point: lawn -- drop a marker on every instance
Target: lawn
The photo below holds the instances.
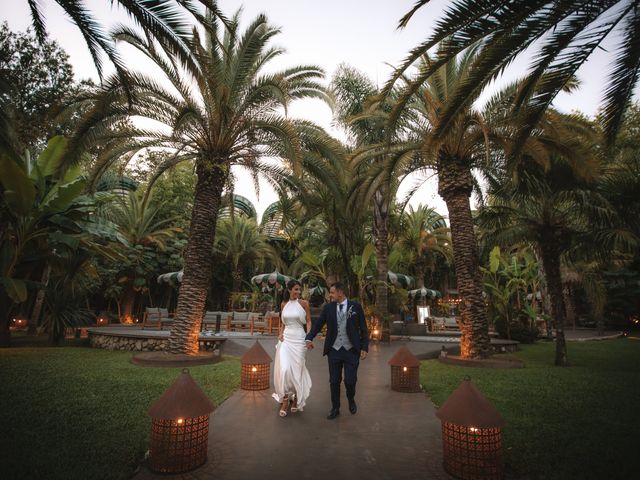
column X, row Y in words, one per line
column 562, row 423
column 77, row 412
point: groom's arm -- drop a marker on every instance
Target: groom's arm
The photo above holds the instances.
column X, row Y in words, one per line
column 317, row 325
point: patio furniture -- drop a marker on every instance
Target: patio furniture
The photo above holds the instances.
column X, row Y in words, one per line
column 156, row 317
column 239, row 321
column 259, row 323
column 210, row 318
column 273, row 319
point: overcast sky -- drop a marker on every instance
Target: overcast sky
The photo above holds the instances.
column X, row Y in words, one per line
column 361, row 33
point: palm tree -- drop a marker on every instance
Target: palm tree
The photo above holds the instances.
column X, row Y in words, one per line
column 329, row 177
column 424, row 237
column 453, row 156
column 225, row 111
column 550, row 204
column 559, row 36
column 138, row 224
column 165, row 20
column 239, row 242
column 352, row 90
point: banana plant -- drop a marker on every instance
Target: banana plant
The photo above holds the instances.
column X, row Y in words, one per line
column 43, row 213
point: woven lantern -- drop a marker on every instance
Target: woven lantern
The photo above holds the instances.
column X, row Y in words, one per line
column 405, row 371
column 255, row 368
column 376, row 333
column 20, row 323
column 180, row 427
column 471, row 435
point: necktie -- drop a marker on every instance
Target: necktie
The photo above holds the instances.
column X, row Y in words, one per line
column 340, row 306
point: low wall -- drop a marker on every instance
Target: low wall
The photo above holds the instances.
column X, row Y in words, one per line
column 133, row 344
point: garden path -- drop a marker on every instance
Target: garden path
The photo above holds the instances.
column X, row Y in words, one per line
column 393, row 436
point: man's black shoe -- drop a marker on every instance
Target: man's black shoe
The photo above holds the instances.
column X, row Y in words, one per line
column 353, row 408
column 333, row 413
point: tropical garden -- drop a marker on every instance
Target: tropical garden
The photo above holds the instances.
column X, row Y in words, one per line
column 107, row 186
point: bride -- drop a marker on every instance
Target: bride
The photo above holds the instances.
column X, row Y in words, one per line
column 291, row 378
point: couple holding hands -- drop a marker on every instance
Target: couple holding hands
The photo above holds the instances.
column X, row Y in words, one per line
column 346, row 343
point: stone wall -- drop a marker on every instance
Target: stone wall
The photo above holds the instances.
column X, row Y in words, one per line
column 114, row 342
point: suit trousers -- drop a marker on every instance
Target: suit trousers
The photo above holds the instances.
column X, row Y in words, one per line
column 339, row 360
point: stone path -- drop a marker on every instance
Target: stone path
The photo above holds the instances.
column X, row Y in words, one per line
column 393, row 435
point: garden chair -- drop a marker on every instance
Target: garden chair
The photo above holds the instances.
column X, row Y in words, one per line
column 210, row 318
column 156, row 317
column 238, row 321
column 259, row 323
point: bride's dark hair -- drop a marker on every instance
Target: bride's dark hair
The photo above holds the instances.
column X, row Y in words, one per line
column 290, row 284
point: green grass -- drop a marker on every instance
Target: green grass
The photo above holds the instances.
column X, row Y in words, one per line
column 582, row 421
column 75, row 412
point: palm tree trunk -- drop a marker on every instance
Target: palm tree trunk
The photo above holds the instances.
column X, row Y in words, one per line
column 551, row 262
column 455, row 186
column 192, row 296
column 5, row 316
column 126, row 303
column 37, row 307
column 381, row 233
column 419, row 275
column 568, row 295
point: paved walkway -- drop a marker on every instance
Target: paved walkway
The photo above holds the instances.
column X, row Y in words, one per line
column 393, row 435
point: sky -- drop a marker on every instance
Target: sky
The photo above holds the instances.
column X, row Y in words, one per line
column 361, row 33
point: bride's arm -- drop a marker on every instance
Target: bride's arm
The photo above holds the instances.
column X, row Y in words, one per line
column 305, row 304
column 280, row 324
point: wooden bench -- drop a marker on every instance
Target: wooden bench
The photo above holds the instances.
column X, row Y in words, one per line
column 156, row 317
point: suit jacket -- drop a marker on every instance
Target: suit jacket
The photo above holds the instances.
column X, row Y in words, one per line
column 356, row 326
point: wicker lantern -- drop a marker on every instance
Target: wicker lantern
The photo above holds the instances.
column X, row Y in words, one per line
column 405, row 371
column 376, row 333
column 471, row 435
column 20, row 323
column 256, row 370
column 180, row 427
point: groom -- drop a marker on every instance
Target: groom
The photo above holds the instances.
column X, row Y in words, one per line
column 346, row 343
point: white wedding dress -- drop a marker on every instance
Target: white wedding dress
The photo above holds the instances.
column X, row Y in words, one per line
column 290, row 374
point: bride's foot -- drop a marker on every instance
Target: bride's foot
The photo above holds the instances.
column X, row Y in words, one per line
column 284, row 406
column 294, row 405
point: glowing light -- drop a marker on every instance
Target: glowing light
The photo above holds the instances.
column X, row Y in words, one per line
column 254, row 369
column 375, row 332
column 404, row 369
column 180, row 421
column 473, row 429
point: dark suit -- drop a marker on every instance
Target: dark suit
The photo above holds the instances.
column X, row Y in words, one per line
column 348, row 360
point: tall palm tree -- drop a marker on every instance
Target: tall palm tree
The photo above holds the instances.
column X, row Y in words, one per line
column 550, row 204
column 559, row 36
column 352, row 90
column 329, row 177
column 453, row 156
column 226, row 111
